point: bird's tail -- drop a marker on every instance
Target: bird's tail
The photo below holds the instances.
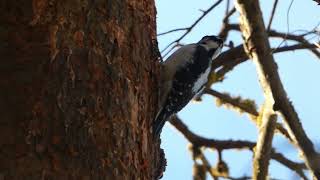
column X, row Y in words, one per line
column 159, row 121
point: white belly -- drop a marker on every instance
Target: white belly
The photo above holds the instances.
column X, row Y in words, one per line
column 203, row 78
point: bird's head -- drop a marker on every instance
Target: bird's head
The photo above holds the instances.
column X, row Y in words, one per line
column 213, row 44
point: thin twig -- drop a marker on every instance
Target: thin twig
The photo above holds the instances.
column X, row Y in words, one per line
column 285, row 36
column 207, row 165
column 288, row 17
column 227, row 8
column 297, row 167
column 172, row 48
column 189, row 29
column 297, row 38
column 173, row 30
column 199, row 19
column 229, row 100
column 295, row 47
column 224, row 30
column 272, row 14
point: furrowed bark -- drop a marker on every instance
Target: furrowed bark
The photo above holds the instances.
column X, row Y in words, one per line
column 78, row 90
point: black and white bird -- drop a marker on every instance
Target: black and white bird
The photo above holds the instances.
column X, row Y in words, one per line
column 184, row 74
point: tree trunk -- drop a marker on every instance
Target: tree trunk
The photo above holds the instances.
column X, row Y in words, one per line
column 78, row 90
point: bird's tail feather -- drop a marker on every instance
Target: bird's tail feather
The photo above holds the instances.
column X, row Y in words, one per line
column 159, row 121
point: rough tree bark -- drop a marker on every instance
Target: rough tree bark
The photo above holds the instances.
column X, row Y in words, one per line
column 78, row 89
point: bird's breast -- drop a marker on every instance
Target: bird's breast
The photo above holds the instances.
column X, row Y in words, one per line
column 201, row 80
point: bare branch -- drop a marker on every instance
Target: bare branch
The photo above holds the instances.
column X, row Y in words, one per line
column 295, row 47
column 227, row 8
column 264, row 143
column 199, row 171
column 297, row 38
column 215, row 174
column 189, row 29
column 199, row 141
column 176, row 45
column 285, row 36
column 272, row 14
column 199, row 19
column 173, row 30
column 253, row 112
column 264, row 146
column 258, row 48
column 297, row 167
column 225, row 30
column 164, row 49
column 231, row 101
column 232, row 57
column 207, row 165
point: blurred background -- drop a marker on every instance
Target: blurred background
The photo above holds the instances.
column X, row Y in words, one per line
column 299, row 71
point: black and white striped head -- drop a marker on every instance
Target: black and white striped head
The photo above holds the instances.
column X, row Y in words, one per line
column 213, row 44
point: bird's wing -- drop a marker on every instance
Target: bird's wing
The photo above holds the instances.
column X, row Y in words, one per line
column 170, row 66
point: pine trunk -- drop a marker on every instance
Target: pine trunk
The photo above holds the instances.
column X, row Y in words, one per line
column 78, row 90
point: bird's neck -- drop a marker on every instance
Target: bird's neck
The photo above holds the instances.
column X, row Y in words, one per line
column 213, row 53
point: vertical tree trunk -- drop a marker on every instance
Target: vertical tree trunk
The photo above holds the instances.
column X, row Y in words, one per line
column 78, row 89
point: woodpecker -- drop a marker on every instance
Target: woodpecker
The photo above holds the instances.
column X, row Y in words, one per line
column 184, row 75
